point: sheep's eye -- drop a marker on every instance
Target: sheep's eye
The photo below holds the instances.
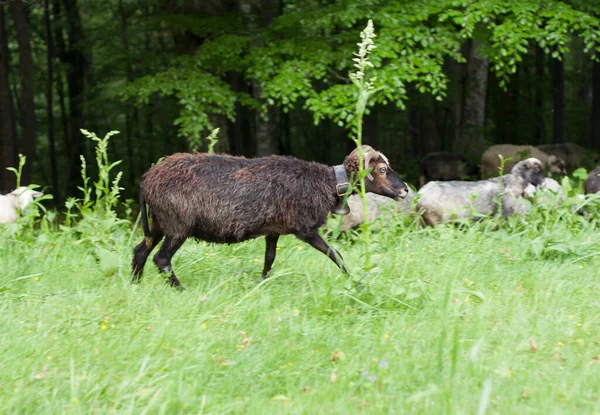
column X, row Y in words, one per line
column 383, row 170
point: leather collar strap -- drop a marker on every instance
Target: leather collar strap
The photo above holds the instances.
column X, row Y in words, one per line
column 342, row 187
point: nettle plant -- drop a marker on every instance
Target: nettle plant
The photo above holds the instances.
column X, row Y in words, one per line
column 96, row 216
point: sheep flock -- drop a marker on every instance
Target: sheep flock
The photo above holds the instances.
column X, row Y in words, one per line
column 227, row 199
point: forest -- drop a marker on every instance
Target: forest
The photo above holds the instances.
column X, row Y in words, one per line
column 272, row 75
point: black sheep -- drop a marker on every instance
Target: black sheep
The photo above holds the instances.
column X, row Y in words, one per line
column 226, row 199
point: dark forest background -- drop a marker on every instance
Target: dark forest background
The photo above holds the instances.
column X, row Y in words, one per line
column 273, row 76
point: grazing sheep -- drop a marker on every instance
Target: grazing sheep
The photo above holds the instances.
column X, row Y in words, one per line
column 573, row 154
column 547, row 185
column 376, row 206
column 490, row 162
column 444, row 201
column 444, row 166
column 17, row 199
column 226, row 199
column 592, row 183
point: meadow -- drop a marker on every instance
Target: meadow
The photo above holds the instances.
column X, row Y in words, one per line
column 496, row 317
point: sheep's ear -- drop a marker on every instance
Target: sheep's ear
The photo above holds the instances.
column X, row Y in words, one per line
column 368, row 156
column 36, row 194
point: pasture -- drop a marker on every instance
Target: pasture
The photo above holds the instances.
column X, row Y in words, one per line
column 495, row 317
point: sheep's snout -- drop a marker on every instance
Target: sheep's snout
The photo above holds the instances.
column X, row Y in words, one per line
column 400, row 188
column 402, row 193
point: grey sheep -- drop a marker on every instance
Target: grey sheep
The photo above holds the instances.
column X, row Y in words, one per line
column 548, row 185
column 444, row 201
column 376, row 206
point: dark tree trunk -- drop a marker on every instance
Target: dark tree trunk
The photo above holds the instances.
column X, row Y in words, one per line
column 371, row 129
column 50, row 102
column 414, row 130
column 129, row 74
column 7, row 133
column 540, row 128
column 595, row 130
column 238, row 129
column 259, row 15
column 27, row 77
column 61, row 53
column 557, row 71
column 428, row 126
column 457, row 74
column 76, row 73
column 471, row 140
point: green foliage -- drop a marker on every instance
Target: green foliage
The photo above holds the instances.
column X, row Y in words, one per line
column 415, row 38
column 198, row 92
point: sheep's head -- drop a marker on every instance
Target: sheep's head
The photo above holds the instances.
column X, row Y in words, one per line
column 23, row 196
column 531, row 170
column 556, row 165
column 381, row 179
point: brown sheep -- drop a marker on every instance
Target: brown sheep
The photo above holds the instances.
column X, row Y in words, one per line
column 226, row 199
column 444, row 166
column 490, row 162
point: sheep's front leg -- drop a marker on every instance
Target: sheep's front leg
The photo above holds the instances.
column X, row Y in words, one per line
column 270, row 253
column 319, row 243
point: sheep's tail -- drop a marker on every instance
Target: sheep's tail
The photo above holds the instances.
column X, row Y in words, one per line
column 144, row 214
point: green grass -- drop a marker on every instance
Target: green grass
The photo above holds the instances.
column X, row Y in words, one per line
column 443, row 325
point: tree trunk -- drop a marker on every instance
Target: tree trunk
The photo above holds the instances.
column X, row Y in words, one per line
column 129, row 74
column 266, row 132
column 50, row 102
column 595, row 130
column 260, row 14
column 27, row 77
column 557, row 71
column 76, row 72
column 237, row 137
column 471, row 140
column 540, row 127
column 371, row 129
column 428, row 126
column 7, row 133
column 61, row 53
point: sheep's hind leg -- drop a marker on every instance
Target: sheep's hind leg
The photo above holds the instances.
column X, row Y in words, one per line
column 163, row 257
column 142, row 251
column 319, row 243
column 270, row 253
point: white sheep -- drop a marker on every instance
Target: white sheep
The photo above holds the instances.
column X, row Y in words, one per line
column 376, row 206
column 17, row 199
